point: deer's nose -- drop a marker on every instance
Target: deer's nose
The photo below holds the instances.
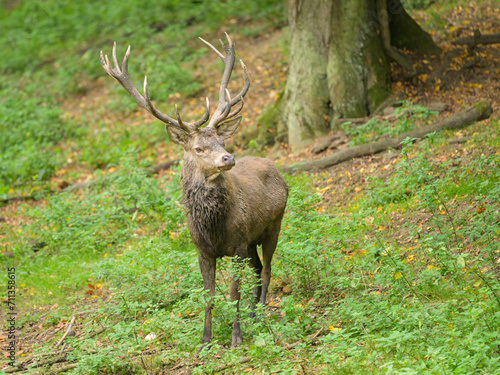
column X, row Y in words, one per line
column 228, row 160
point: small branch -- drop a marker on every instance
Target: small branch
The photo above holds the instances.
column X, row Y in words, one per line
column 70, row 327
column 458, row 140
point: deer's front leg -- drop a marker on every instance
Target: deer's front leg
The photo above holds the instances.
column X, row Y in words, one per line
column 207, row 268
column 236, row 337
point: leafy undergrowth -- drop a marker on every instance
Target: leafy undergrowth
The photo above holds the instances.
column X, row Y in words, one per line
column 404, row 119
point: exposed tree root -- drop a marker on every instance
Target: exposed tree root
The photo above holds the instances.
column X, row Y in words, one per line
column 478, row 111
column 477, row 38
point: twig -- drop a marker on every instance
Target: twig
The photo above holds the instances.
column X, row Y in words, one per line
column 22, row 367
column 70, row 327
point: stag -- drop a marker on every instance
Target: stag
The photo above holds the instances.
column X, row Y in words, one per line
column 231, row 207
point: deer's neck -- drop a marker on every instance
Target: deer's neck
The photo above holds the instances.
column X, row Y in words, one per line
column 206, row 206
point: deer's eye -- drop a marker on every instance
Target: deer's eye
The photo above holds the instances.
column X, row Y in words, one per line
column 199, row 150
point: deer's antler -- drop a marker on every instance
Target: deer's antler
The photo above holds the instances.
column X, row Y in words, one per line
column 225, row 102
column 123, row 78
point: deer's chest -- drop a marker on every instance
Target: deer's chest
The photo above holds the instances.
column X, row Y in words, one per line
column 207, row 210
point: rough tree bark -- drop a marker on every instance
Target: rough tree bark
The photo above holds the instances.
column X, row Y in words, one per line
column 339, row 61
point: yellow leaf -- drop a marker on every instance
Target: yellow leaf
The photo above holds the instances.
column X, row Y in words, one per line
column 334, row 329
column 430, row 267
column 397, row 275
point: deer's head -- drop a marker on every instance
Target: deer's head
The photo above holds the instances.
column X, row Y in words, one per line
column 203, row 146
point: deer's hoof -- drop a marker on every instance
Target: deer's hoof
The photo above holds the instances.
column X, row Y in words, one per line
column 202, row 346
column 236, row 341
column 237, row 337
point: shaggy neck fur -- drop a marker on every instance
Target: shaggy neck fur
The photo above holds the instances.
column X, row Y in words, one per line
column 206, row 206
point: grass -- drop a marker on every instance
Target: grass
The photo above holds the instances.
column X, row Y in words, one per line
column 400, row 278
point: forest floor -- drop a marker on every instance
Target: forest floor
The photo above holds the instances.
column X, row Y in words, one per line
column 426, row 216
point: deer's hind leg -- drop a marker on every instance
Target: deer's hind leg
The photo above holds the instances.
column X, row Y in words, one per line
column 256, row 264
column 269, row 242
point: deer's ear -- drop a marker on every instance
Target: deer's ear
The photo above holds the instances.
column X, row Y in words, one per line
column 177, row 135
column 227, row 128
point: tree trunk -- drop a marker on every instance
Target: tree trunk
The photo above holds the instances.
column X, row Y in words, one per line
column 358, row 70
column 306, row 95
column 338, row 63
column 406, row 33
column 337, row 66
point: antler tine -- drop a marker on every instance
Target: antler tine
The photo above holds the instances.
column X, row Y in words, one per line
column 115, row 61
column 245, row 88
column 205, row 117
column 178, row 116
column 228, row 104
column 215, row 49
column 221, row 114
column 236, row 111
column 125, row 61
